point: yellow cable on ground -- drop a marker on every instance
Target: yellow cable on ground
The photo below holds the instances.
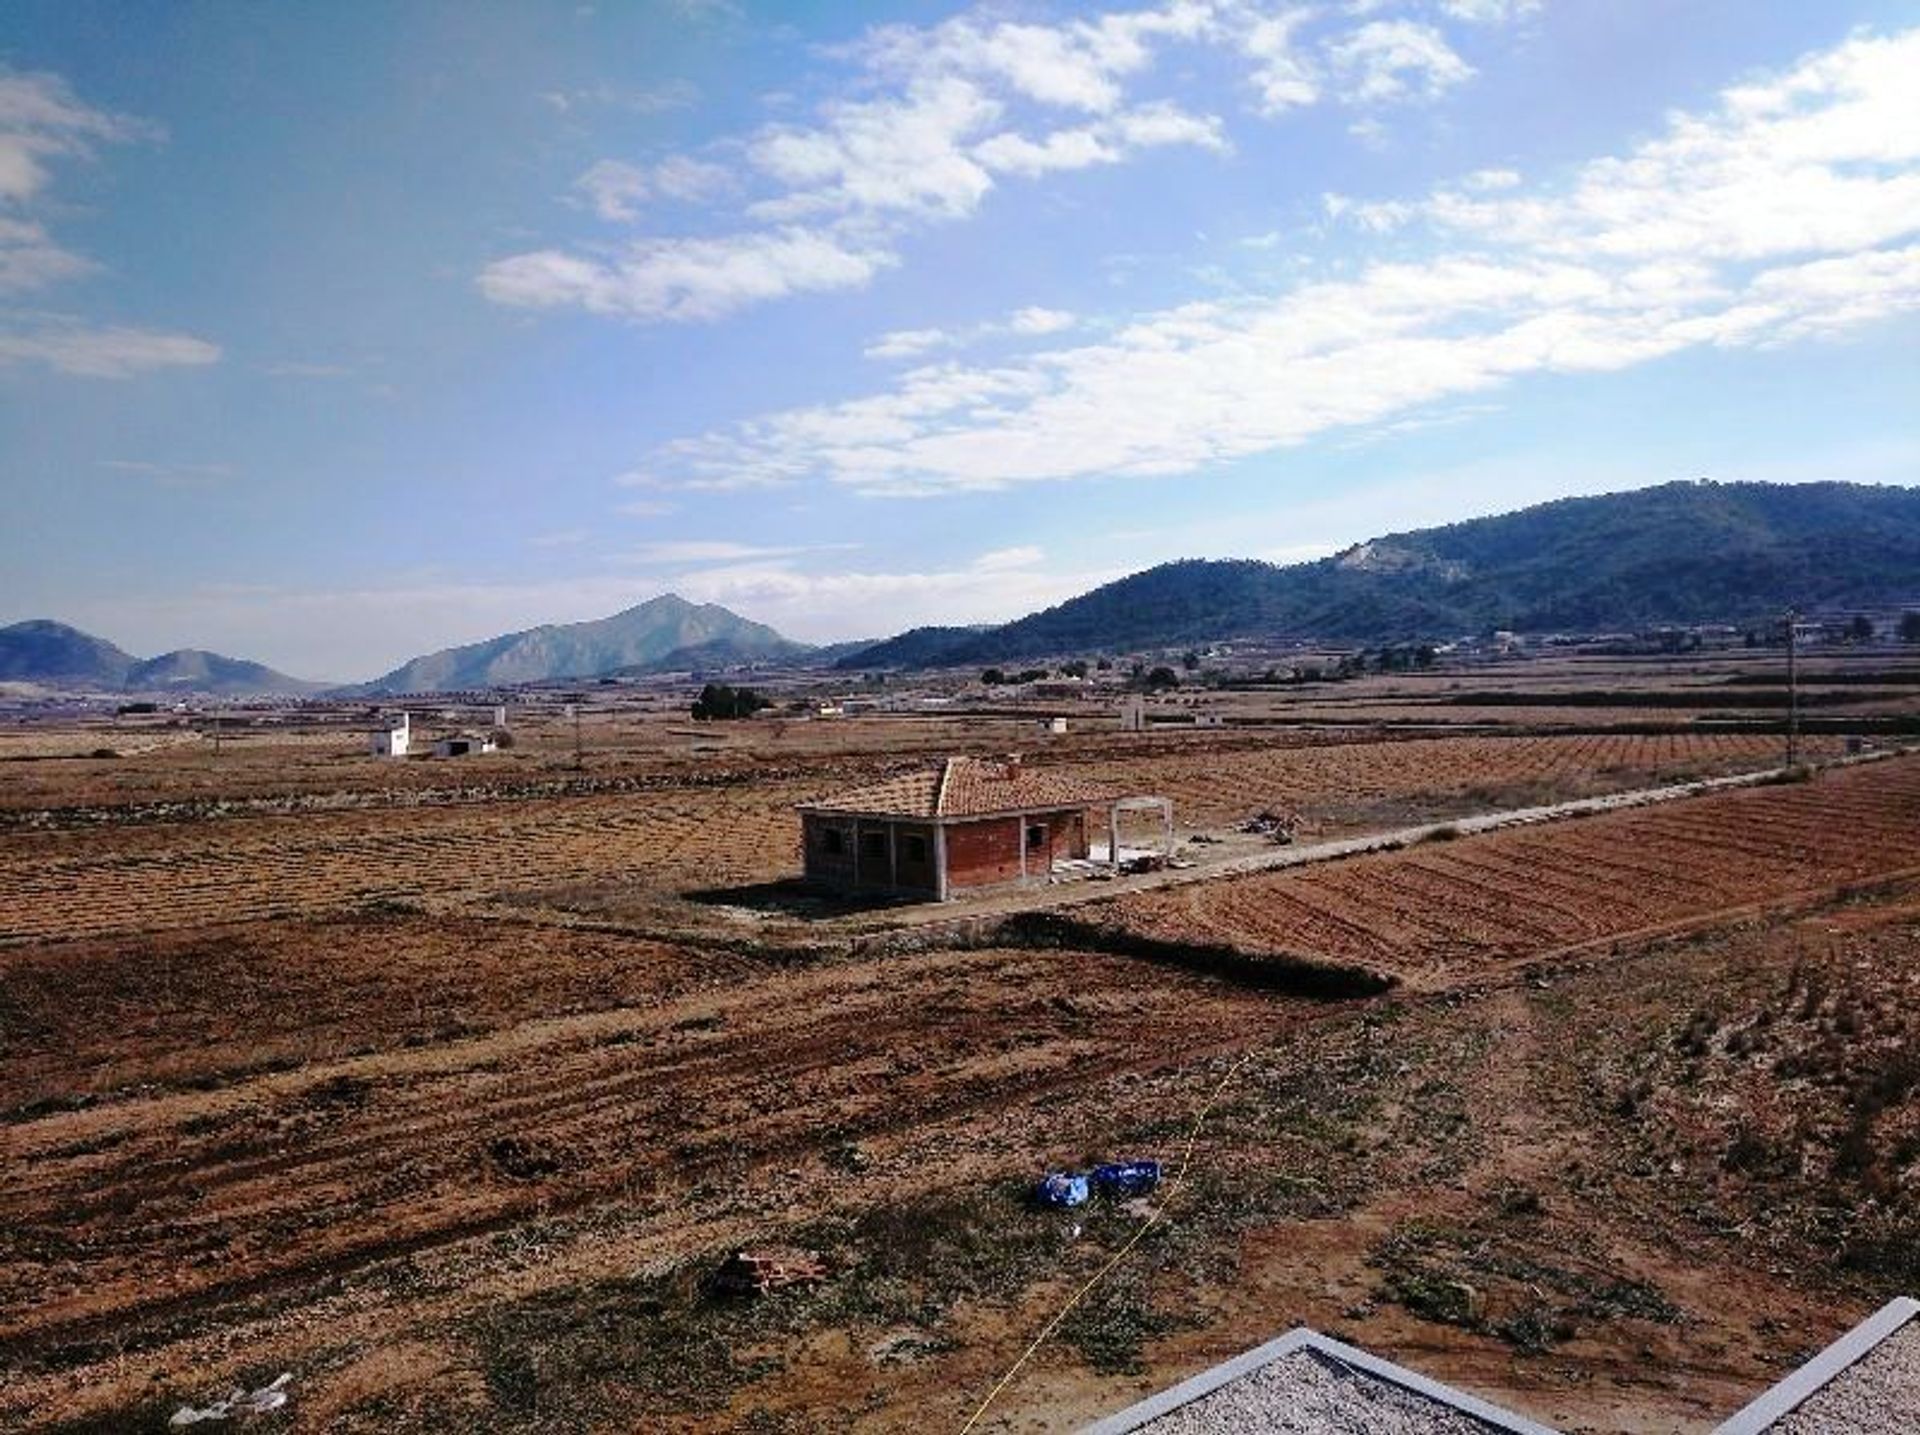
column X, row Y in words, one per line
column 1173, row 1190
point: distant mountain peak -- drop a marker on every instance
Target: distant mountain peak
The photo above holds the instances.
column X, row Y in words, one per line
column 635, row 639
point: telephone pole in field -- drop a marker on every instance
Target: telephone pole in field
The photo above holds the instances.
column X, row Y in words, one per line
column 1793, row 689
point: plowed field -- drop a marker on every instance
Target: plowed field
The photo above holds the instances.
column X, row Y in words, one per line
column 173, row 875
column 463, row 1174
column 1435, row 912
column 223, row 1180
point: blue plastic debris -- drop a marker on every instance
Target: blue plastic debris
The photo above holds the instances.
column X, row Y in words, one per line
column 1062, row 1188
column 1127, row 1178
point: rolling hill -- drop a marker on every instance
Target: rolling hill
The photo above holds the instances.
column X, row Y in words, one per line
column 43, row 651
column 56, row 655
column 199, row 671
column 631, row 641
column 1678, row 553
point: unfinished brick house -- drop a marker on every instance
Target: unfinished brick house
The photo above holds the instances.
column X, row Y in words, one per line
column 967, row 824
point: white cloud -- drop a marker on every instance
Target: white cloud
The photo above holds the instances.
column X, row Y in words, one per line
column 691, row 180
column 909, row 343
column 614, row 189
column 1490, row 179
column 1076, row 65
column 1395, row 60
column 1031, row 322
column 1000, row 560
column 1108, row 141
column 685, row 278
column 1036, row 320
column 1284, row 79
column 1489, row 12
column 108, row 353
column 673, row 95
column 40, row 118
column 1786, row 213
column 29, row 258
column 929, row 120
column 903, row 155
column 696, row 550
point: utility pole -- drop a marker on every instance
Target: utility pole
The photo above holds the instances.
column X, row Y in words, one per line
column 1793, row 690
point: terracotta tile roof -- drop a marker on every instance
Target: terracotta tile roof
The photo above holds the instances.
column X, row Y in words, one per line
column 967, row 787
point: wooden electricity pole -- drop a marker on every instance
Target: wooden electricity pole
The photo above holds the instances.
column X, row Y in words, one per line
column 1793, row 690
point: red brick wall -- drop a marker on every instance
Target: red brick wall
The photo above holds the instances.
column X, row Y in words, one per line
column 982, row 853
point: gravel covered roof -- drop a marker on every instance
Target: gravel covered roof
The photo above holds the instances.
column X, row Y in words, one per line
column 1877, row 1395
column 968, row 787
column 1306, row 1383
column 1307, row 1393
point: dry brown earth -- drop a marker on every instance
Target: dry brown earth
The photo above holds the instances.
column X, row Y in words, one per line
column 463, row 1174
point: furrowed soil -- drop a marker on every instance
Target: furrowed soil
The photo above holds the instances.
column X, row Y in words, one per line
column 73, row 872
column 1599, row 1154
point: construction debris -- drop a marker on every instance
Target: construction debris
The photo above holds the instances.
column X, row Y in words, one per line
column 263, row 1401
column 752, row 1273
column 1280, row 826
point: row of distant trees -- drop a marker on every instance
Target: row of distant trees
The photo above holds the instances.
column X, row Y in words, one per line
column 723, row 702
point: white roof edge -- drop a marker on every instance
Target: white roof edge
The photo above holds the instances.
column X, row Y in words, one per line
column 1306, row 1338
column 1778, row 1401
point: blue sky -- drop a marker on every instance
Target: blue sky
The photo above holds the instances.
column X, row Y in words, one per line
column 333, row 334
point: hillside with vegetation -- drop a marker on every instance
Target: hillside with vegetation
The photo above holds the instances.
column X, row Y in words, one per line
column 1678, row 553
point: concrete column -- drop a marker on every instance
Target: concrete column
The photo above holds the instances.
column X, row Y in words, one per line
column 1113, row 838
column 1023, row 847
column 940, row 861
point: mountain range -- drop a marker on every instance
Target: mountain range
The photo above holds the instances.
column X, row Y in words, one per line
column 1678, row 553
column 52, row 654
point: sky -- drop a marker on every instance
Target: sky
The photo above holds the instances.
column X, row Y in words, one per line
column 333, row 334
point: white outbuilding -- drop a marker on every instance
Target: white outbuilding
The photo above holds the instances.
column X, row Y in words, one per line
column 394, row 737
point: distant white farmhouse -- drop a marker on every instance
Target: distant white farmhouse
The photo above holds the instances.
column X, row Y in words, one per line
column 464, row 744
column 394, row 738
